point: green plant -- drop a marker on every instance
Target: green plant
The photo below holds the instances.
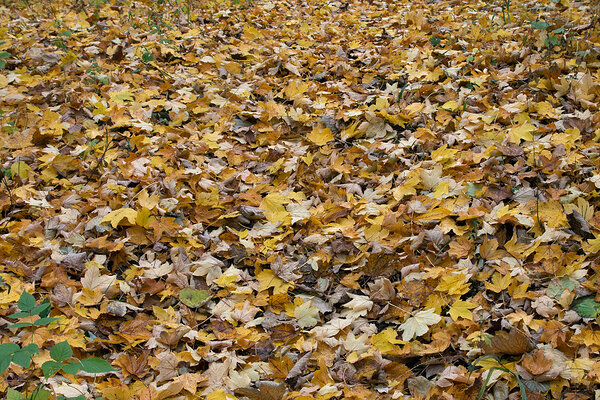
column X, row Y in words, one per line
column 473, row 366
column 552, row 37
column 95, row 76
column 3, row 56
column 506, row 12
column 61, row 354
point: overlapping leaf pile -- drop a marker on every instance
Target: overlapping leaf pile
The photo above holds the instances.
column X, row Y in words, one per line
column 286, row 199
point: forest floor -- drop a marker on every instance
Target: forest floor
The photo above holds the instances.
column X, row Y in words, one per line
column 299, row 199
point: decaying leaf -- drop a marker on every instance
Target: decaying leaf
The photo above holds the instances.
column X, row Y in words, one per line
column 276, row 200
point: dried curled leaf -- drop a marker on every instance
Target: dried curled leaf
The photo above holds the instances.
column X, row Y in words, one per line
column 515, row 342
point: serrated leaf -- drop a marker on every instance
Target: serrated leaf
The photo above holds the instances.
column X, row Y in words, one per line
column 586, row 307
column 22, row 358
column 95, row 365
column 49, row 368
column 26, row 302
column 307, row 315
column 44, row 321
column 45, row 310
column 193, row 298
column 116, row 216
column 462, row 309
column 72, row 367
column 61, row 351
column 4, row 363
column 541, row 25
column 8, row 348
column 40, row 308
column 31, row 348
column 419, row 324
column 568, row 283
column 320, row 135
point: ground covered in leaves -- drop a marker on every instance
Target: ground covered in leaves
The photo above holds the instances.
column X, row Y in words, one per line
column 304, row 200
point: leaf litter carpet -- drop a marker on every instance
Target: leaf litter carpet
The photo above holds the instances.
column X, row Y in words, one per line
column 305, row 200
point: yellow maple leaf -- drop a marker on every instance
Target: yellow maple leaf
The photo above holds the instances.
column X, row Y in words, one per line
column 21, row 169
column 148, row 201
column 275, row 211
column 441, row 190
column 220, row 395
column 386, row 341
column 444, row 154
column 592, row 245
column 116, row 216
column 294, row 89
column 552, row 213
column 320, row 135
column 450, row 106
column 545, row 109
column 499, row 282
column 267, row 278
column 521, row 132
column 144, row 218
column 251, row 33
column 462, row 309
column 306, row 314
column 453, row 284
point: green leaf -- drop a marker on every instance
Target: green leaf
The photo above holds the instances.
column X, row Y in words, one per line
column 61, row 351
column 12, row 394
column 46, row 311
column 19, row 315
column 31, row 349
column 587, row 307
column 22, row 358
column 95, row 365
column 4, row 54
column 435, row 41
column 147, row 57
column 4, row 363
column 49, row 368
column 541, row 25
column 193, row 298
column 37, row 310
column 26, row 302
column 568, row 283
column 472, row 188
column 72, row 367
column 19, row 325
column 45, row 321
column 555, row 290
column 8, row 348
column 551, row 41
column 40, row 394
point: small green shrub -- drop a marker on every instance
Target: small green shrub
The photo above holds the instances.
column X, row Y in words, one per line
column 61, row 353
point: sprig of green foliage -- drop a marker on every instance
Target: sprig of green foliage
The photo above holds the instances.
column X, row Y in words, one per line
column 61, row 353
